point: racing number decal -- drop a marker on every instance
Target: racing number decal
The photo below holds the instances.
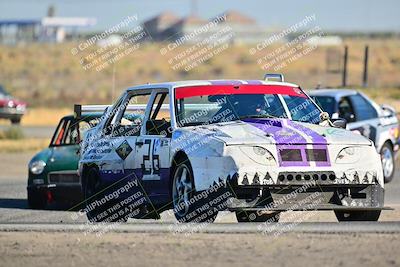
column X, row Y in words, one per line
column 150, row 165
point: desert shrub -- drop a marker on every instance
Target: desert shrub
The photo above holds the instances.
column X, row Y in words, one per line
column 12, row 133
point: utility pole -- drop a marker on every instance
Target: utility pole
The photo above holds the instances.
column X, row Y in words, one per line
column 193, row 8
column 365, row 73
column 344, row 75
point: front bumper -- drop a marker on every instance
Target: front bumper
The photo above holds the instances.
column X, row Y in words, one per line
column 11, row 112
column 247, row 176
column 306, row 197
column 65, row 196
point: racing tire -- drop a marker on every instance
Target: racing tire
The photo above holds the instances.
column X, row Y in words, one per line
column 257, row 216
column 93, row 191
column 36, row 201
column 388, row 162
column 348, row 216
column 186, row 206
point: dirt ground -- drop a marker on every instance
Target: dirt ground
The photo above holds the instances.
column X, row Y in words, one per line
column 168, row 249
column 131, row 249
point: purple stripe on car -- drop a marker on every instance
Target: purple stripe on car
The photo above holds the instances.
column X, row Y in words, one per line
column 318, row 141
column 284, row 137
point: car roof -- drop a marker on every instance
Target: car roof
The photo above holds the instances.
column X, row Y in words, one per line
column 171, row 85
column 335, row 93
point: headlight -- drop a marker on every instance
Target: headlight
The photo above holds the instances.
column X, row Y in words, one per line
column 37, row 167
column 10, row 104
column 259, row 155
column 348, row 155
column 259, row 150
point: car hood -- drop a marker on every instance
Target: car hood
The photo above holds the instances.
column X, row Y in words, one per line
column 282, row 131
column 59, row 158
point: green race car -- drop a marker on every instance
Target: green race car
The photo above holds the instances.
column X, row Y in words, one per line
column 53, row 181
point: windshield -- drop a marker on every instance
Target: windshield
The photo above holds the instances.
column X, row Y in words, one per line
column 327, row 103
column 213, row 104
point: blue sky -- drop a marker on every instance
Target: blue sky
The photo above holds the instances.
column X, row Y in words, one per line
column 338, row 15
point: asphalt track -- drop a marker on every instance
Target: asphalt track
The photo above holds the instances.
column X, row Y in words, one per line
column 15, row 215
column 222, row 228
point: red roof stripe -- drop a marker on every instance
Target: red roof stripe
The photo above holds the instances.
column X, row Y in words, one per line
column 203, row 90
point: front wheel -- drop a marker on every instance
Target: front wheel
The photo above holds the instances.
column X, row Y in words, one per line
column 36, row 201
column 348, row 216
column 388, row 162
column 16, row 120
column 188, row 205
column 97, row 208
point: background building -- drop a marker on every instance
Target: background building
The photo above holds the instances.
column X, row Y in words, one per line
column 169, row 27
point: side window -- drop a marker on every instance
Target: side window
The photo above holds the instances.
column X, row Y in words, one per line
column 160, row 119
column 72, row 135
column 128, row 120
column 60, row 133
column 111, row 116
column 67, row 133
column 364, row 110
column 346, row 110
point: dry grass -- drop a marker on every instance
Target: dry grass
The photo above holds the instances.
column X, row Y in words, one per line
column 42, row 117
column 48, row 75
column 45, row 116
column 23, row 145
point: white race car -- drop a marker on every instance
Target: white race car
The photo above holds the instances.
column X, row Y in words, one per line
column 255, row 147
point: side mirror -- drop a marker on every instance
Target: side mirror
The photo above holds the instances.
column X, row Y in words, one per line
column 339, row 123
column 387, row 111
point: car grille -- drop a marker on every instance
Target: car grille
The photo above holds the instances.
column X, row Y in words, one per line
column 293, row 155
column 63, row 178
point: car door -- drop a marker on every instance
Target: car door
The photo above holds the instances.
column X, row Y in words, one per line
column 119, row 140
column 153, row 146
column 365, row 118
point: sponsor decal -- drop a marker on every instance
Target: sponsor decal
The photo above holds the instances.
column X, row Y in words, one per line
column 124, row 150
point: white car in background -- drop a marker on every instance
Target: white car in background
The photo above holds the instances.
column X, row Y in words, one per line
column 364, row 116
column 253, row 147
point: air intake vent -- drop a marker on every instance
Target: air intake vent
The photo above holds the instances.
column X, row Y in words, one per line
column 316, row 155
column 291, row 155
